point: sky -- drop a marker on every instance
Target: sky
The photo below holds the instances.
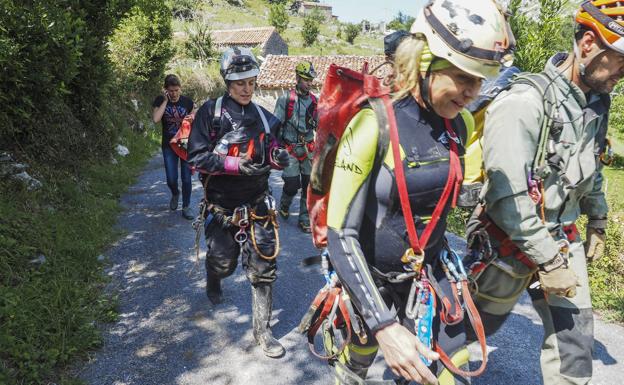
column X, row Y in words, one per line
column 373, row 10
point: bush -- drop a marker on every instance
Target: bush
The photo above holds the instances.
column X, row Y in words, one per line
column 141, row 46
column 183, row 9
column 200, row 83
column 311, row 29
column 56, row 79
column 351, row 32
column 538, row 38
column 401, row 21
column 278, row 17
column 199, row 41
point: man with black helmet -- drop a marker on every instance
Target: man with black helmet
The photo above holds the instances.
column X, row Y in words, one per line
column 232, row 144
column 297, row 111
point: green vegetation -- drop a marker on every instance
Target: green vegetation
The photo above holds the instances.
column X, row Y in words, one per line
column 351, row 32
column 607, row 274
column 49, row 312
column 539, row 38
column 402, row 22
column 278, row 17
column 65, row 105
column 310, row 29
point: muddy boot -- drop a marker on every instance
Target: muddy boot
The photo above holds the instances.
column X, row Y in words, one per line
column 213, row 288
column 261, row 305
column 284, row 206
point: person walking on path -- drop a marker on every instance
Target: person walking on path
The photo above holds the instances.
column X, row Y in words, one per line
column 171, row 108
column 543, row 164
column 392, row 284
column 296, row 109
column 233, row 146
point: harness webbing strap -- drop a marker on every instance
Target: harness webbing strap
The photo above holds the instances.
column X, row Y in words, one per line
column 329, row 300
column 453, row 183
column 477, row 325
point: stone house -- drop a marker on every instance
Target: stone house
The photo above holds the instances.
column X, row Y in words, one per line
column 307, row 7
column 265, row 38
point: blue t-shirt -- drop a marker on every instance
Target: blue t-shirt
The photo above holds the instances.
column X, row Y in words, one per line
column 173, row 115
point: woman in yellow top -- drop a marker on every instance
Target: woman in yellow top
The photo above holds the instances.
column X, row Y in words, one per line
column 453, row 46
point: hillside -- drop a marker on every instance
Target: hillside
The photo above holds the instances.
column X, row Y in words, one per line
column 221, row 15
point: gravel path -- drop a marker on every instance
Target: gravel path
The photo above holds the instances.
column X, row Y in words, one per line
column 168, row 332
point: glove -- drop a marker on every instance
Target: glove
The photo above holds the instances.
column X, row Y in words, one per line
column 247, row 167
column 280, row 157
column 595, row 239
column 556, row 278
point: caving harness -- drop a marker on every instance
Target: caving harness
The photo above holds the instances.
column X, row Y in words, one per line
column 310, row 119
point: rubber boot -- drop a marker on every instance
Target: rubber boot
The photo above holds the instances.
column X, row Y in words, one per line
column 213, row 288
column 284, row 206
column 261, row 305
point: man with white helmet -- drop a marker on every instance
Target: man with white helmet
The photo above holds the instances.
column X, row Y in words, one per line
column 392, row 284
column 233, row 146
column 543, row 163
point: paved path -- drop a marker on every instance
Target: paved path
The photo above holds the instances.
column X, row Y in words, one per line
column 168, row 333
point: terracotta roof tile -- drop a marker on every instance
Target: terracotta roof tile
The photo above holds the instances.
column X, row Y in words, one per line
column 278, row 71
column 242, row 36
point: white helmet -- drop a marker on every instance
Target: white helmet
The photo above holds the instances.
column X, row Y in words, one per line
column 239, row 63
column 473, row 35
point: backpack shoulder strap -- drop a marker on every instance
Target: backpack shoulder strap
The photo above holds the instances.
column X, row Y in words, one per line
column 216, row 116
column 383, row 139
column 544, row 85
column 290, row 106
column 265, row 122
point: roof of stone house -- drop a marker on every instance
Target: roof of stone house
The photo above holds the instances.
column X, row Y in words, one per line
column 242, row 36
column 316, row 5
column 278, row 71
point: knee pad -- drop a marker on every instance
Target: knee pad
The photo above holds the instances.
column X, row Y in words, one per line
column 291, row 185
column 221, row 266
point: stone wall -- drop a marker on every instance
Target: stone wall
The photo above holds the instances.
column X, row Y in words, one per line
column 275, row 45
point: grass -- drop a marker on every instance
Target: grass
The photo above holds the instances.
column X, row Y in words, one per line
column 607, row 274
column 49, row 312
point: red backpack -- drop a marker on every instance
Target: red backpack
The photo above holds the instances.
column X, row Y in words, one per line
column 344, row 94
column 179, row 143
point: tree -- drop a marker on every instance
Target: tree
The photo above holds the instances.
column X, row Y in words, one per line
column 278, row 17
column 199, row 42
column 540, row 34
column 310, row 29
column 401, row 22
column 351, row 32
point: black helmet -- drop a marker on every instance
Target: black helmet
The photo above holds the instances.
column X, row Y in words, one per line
column 392, row 41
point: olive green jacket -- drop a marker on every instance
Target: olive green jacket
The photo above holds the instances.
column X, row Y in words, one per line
column 295, row 130
column 512, row 127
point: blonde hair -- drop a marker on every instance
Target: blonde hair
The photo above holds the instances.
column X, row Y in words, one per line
column 407, row 62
